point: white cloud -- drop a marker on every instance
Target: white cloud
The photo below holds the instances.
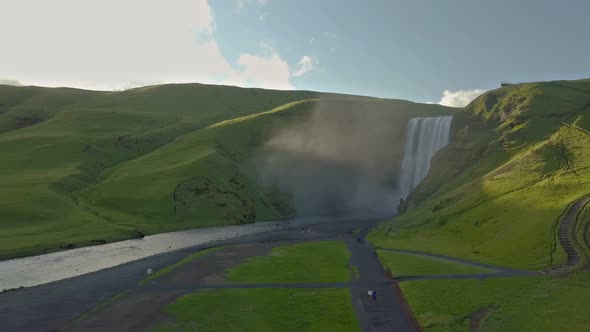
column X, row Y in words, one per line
column 240, row 4
column 270, row 72
column 305, row 64
column 110, row 44
column 329, row 34
column 459, row 98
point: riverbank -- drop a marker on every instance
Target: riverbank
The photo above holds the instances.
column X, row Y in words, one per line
column 52, row 304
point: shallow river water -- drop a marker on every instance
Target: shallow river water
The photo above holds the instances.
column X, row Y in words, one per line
column 41, row 269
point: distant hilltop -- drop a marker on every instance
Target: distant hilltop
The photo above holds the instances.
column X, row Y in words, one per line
column 510, row 83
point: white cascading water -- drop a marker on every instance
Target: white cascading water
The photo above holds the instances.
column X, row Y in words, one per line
column 424, row 138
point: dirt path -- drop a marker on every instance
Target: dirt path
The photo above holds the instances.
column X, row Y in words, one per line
column 387, row 312
column 477, row 317
column 566, row 230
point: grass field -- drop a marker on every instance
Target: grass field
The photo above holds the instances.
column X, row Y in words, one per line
column 84, row 167
column 264, row 310
column 324, row 261
column 517, row 304
column 278, row 309
column 401, row 264
column 496, row 193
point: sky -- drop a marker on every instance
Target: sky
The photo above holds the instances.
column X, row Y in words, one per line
column 433, row 51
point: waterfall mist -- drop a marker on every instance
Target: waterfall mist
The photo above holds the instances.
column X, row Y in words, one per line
column 340, row 158
column 350, row 157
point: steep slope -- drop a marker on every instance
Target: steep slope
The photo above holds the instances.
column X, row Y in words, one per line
column 496, row 193
column 46, row 163
column 103, row 166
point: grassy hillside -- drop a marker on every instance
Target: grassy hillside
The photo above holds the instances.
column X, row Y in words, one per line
column 496, row 193
column 513, row 304
column 93, row 166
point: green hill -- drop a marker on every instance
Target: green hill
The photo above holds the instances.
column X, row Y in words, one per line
column 519, row 156
column 496, row 193
column 81, row 167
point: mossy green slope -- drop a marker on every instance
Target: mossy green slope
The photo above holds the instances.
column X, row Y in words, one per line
column 495, row 194
column 516, row 304
column 98, row 166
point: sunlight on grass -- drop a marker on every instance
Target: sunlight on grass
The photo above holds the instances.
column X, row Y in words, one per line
column 264, row 310
column 324, row 261
column 521, row 304
column 401, row 264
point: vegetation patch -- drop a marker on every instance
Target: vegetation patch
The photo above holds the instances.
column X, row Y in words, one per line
column 521, row 304
column 264, row 310
column 322, row 261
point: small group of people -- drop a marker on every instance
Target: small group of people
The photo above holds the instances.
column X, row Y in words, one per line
column 373, row 293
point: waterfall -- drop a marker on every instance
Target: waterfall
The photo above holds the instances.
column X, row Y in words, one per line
column 425, row 136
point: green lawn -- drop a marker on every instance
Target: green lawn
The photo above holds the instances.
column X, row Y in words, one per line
column 522, row 304
column 323, row 261
column 263, row 310
column 401, row 264
column 178, row 264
